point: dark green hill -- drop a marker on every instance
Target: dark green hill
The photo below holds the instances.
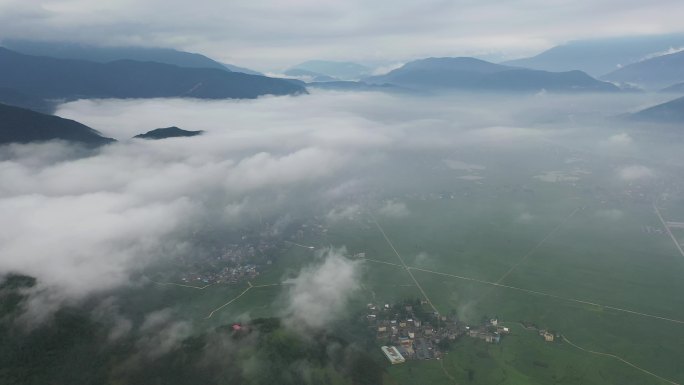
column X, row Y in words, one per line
column 53, row 78
column 478, row 75
column 19, row 125
column 75, row 348
column 168, row 132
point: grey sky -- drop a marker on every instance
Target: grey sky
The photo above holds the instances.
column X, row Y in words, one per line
column 267, row 34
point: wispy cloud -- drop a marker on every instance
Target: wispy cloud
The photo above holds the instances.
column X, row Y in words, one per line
column 319, row 293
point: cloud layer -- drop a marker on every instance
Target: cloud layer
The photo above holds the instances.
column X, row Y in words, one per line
column 270, row 34
column 86, row 223
column 320, row 292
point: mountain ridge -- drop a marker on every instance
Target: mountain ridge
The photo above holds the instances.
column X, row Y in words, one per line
column 53, row 78
column 653, row 74
column 598, row 57
column 668, row 112
column 465, row 73
column 103, row 54
column 20, row 125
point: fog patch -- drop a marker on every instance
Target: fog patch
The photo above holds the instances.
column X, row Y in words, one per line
column 79, row 245
column 320, row 292
column 635, row 172
column 394, row 209
column 107, row 312
column 349, row 213
column 621, row 139
column 161, row 333
column 524, row 218
column 83, row 222
column 264, row 169
column 463, row 166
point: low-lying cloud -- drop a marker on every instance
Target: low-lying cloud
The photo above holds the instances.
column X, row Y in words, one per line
column 85, row 222
column 319, row 294
column 394, row 209
column 635, row 172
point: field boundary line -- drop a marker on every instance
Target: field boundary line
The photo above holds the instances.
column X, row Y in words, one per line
column 529, row 291
column 667, row 228
column 404, row 264
column 231, row 301
column 379, row 261
column 539, row 244
column 250, row 287
column 620, row 359
column 585, row 302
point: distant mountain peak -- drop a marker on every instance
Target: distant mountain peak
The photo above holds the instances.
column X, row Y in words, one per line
column 466, row 73
column 461, row 63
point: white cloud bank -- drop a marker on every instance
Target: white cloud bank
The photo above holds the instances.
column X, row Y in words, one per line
column 320, row 292
column 84, row 223
column 635, row 172
column 394, row 209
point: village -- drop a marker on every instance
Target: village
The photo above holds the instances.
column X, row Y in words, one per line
column 409, row 333
column 233, row 263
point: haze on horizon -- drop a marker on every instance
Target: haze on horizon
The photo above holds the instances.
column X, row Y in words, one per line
column 270, row 35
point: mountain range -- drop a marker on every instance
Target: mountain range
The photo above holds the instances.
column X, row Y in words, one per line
column 598, row 57
column 100, row 54
column 465, row 73
column 651, row 74
column 53, row 78
column 19, row 125
column 669, row 112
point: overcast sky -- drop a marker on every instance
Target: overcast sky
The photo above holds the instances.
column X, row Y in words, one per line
column 271, row 34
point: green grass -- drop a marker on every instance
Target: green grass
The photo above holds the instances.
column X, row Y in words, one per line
column 589, row 257
column 493, row 231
